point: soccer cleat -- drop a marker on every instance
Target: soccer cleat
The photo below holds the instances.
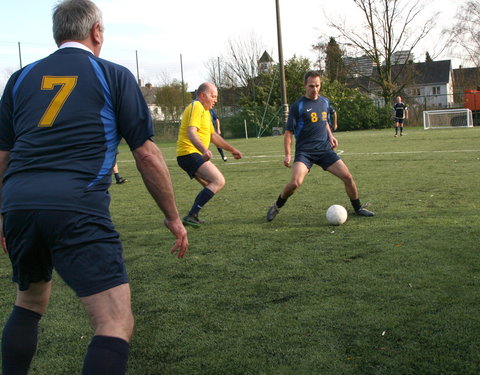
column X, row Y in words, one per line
column 121, row 180
column 362, row 211
column 272, row 212
column 192, row 221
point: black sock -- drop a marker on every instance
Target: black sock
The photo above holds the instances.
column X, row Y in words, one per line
column 106, row 355
column 356, row 204
column 220, row 150
column 117, row 176
column 280, row 201
column 19, row 340
column 201, row 200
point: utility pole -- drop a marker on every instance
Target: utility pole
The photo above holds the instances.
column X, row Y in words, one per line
column 138, row 73
column 282, row 67
column 20, row 55
column 183, row 85
column 220, row 88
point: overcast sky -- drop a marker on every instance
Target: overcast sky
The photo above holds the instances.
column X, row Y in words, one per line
column 159, row 31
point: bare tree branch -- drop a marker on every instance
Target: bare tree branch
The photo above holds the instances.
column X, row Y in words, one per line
column 389, row 26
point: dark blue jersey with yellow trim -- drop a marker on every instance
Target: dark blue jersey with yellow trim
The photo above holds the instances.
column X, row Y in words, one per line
column 308, row 119
column 61, row 119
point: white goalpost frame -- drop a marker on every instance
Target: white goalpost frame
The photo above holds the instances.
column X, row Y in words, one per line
column 448, row 118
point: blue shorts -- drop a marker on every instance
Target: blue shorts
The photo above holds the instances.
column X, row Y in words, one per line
column 190, row 163
column 85, row 250
column 399, row 120
column 323, row 159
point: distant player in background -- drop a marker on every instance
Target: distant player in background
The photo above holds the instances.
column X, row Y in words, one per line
column 61, row 119
column 400, row 113
column 118, row 179
column 193, row 156
column 308, row 121
column 218, row 130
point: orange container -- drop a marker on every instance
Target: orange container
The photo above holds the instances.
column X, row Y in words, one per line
column 471, row 100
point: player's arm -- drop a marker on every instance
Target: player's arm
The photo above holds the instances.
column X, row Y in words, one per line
column 287, row 145
column 217, row 124
column 4, row 158
column 195, row 139
column 156, row 176
column 222, row 143
column 333, row 140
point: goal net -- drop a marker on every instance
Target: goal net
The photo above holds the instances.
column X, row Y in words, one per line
column 448, row 118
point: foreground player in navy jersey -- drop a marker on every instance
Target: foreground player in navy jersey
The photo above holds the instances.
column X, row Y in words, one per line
column 308, row 121
column 61, row 119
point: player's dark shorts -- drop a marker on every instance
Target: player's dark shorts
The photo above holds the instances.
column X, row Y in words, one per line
column 190, row 163
column 323, row 159
column 85, row 250
column 399, row 120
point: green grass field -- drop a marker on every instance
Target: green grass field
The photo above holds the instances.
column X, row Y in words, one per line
column 395, row 294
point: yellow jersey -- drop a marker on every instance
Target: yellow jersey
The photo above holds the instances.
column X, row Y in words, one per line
column 197, row 116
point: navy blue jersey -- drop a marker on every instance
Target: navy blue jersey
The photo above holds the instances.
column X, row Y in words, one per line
column 400, row 109
column 61, row 119
column 308, row 119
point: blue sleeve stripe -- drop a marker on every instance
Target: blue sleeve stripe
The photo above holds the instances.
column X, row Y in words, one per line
column 107, row 116
column 300, row 122
column 20, row 79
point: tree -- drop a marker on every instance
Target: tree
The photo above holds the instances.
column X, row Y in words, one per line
column 171, row 98
column 464, row 35
column 241, row 60
column 428, row 58
column 332, row 55
column 263, row 110
column 389, row 27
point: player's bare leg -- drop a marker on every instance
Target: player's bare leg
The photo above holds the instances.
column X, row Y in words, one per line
column 299, row 172
column 340, row 169
column 111, row 317
column 212, row 180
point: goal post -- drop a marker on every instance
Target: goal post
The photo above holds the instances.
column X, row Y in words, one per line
column 448, row 118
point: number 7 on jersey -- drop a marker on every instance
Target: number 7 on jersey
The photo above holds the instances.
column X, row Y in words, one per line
column 48, row 83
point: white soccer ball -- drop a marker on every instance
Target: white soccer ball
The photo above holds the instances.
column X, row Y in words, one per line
column 336, row 214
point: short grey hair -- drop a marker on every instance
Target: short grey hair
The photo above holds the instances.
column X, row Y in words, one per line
column 73, row 20
column 205, row 86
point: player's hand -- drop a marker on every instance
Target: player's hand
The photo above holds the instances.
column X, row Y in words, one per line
column 237, row 154
column 333, row 142
column 178, row 230
column 207, row 155
column 286, row 161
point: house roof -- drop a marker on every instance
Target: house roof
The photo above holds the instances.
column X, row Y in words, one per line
column 427, row 72
column 265, row 58
column 148, row 92
column 466, row 78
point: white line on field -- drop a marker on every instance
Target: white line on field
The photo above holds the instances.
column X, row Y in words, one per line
column 232, row 161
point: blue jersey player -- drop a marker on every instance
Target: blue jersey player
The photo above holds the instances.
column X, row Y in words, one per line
column 400, row 114
column 308, row 121
column 61, row 119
